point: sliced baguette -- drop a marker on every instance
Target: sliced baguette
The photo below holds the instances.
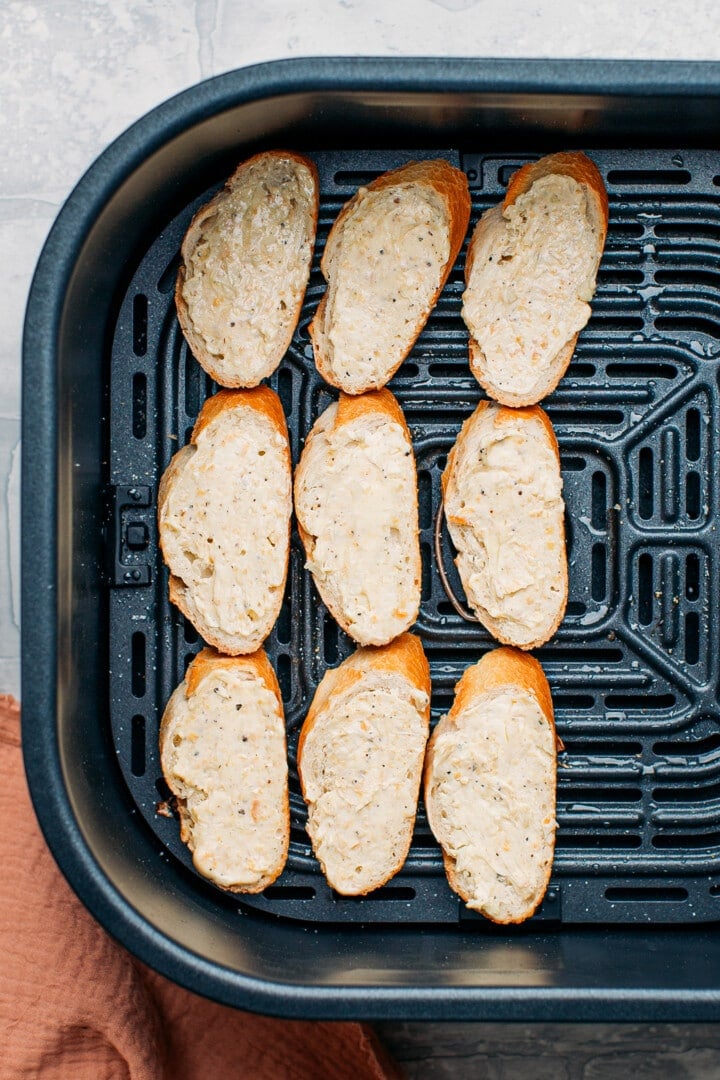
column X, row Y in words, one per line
column 357, row 510
column 224, row 509
column 502, row 492
column 223, row 754
column 490, row 786
column 530, row 276
column 386, row 261
column 245, row 266
column 360, row 759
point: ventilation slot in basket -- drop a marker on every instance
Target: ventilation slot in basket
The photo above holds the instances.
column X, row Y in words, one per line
column 692, row 495
column 389, row 892
column 596, row 748
column 195, row 385
column 283, row 627
column 284, row 676
column 645, row 589
column 137, row 661
column 646, row 478
column 599, row 502
column 643, row 702
column 696, row 749
column 598, row 580
column 591, row 841
column 678, row 841
column 697, row 793
column 648, row 177
column 692, row 434
column 692, row 637
column 648, row 894
column 692, row 577
column 684, row 324
column 573, row 702
column 137, row 745
column 289, row 892
column 592, row 795
column 641, row 371
column 347, row 178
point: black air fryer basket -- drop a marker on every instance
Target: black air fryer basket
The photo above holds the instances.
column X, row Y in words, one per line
column 627, row 930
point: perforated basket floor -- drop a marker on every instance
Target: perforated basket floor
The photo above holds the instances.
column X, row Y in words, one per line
column 634, row 666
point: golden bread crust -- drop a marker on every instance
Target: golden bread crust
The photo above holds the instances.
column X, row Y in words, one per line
column 197, row 345
column 349, row 409
column 506, row 415
column 205, row 663
column 405, row 657
column 499, row 669
column 578, row 166
column 452, row 186
column 263, row 400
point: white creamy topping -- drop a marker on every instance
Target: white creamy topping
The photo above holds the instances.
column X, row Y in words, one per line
column 506, row 516
column 385, row 272
column 531, row 283
column 226, row 748
column 247, row 270
column 493, row 800
column 224, row 522
column 361, row 772
column 359, row 503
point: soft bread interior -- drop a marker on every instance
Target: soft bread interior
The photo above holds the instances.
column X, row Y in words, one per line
column 223, row 755
column 356, row 500
column 492, row 801
column 224, row 528
column 247, row 262
column 360, row 767
column 505, row 514
column 384, row 269
column 533, row 275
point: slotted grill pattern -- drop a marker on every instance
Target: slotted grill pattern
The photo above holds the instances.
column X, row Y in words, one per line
column 634, row 667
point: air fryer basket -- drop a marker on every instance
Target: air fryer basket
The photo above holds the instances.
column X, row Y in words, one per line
column 111, row 392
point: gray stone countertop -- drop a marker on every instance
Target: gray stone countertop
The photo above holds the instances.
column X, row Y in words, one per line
column 73, row 75
column 76, row 73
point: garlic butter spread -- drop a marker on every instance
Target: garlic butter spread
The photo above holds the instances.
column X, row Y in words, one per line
column 226, row 747
column 532, row 281
column 246, row 271
column 359, row 503
column 493, row 809
column 387, row 267
column 505, row 514
column 225, row 521
column 361, row 773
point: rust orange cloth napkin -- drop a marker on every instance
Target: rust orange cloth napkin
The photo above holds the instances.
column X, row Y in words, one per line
column 74, row 1005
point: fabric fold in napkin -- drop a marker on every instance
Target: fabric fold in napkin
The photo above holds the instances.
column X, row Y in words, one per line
column 75, row 1004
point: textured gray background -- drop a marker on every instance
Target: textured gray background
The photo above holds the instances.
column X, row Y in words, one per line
column 73, row 75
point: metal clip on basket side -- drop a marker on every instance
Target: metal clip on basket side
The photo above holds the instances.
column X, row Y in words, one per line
column 462, row 611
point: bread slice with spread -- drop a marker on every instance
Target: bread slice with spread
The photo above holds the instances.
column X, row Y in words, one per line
column 490, row 786
column 224, row 508
column 386, row 261
column 357, row 509
column 502, row 495
column 223, row 755
column 530, row 276
column 246, row 261
column 360, row 759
